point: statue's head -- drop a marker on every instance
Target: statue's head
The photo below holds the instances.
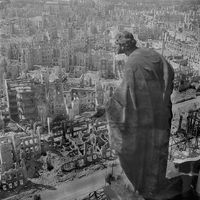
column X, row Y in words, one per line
column 125, row 42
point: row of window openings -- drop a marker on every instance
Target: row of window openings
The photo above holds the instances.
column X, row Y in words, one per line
column 31, row 149
column 11, row 176
column 12, row 185
column 31, row 141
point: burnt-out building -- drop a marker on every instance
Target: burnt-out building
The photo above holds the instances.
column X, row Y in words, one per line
column 21, row 100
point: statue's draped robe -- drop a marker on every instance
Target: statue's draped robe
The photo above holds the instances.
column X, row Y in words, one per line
column 139, row 116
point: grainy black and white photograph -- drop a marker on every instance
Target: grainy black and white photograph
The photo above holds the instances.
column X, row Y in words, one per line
column 99, row 99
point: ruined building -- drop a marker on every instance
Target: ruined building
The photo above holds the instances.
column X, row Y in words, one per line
column 15, row 150
column 21, row 100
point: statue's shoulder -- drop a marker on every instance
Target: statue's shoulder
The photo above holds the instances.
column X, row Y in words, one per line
column 144, row 52
column 143, row 58
column 137, row 57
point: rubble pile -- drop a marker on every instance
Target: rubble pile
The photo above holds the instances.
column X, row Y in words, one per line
column 184, row 141
column 50, row 160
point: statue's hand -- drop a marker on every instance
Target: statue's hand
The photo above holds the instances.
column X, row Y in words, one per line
column 115, row 139
column 99, row 113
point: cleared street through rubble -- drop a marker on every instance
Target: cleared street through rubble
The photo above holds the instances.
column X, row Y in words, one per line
column 78, row 188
